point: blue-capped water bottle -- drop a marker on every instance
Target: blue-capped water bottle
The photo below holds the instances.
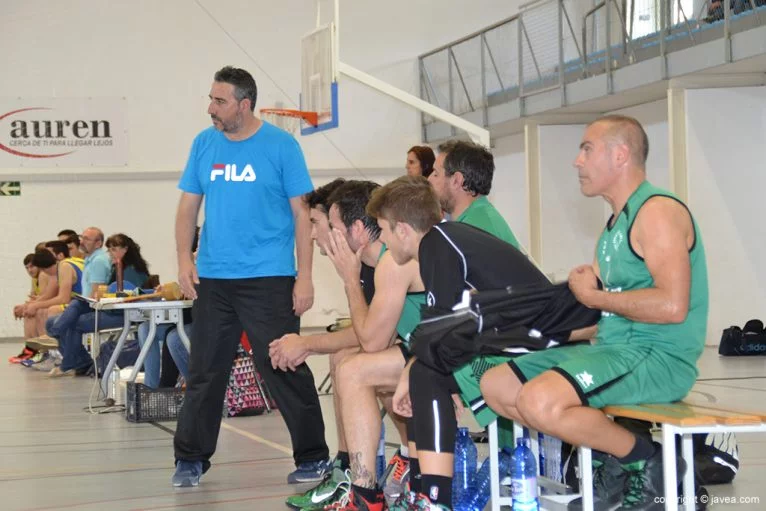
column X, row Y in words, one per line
column 380, row 460
column 524, row 477
column 465, row 467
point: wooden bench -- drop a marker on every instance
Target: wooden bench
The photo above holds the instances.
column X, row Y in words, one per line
column 682, row 418
column 685, row 418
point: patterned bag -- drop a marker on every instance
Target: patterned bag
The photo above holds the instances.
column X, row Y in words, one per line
column 245, row 394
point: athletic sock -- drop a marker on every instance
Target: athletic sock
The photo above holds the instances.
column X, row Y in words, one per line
column 345, row 462
column 438, row 489
column 368, row 494
column 415, row 478
column 642, row 450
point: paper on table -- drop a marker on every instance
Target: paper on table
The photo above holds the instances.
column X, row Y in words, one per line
column 112, row 300
column 85, row 298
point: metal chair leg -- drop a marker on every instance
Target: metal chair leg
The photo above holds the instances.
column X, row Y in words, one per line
column 326, row 382
column 265, row 393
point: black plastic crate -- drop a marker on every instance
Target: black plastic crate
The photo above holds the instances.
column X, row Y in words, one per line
column 145, row 404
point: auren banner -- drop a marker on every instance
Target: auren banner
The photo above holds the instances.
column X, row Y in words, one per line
column 63, row 132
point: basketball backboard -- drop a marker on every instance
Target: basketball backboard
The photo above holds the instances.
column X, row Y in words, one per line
column 320, row 68
column 319, row 79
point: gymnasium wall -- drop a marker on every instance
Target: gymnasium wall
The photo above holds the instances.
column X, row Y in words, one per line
column 509, row 185
column 726, row 194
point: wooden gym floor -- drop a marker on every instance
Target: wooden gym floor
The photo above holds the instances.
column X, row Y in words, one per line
column 54, row 454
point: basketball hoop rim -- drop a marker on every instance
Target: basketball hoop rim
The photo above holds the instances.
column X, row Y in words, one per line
column 311, row 118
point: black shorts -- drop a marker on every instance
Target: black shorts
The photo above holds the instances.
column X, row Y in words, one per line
column 405, row 351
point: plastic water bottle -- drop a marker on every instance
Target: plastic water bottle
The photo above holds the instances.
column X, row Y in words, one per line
column 465, row 467
column 524, row 477
column 114, row 386
column 477, row 499
column 541, row 443
column 552, row 459
column 380, row 460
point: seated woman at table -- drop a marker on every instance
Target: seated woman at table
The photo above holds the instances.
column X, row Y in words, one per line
column 76, row 359
column 169, row 335
column 123, row 250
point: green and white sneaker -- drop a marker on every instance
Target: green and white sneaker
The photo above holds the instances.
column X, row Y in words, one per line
column 644, row 484
column 328, row 491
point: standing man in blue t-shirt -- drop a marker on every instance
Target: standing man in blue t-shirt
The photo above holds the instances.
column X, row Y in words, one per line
column 253, row 177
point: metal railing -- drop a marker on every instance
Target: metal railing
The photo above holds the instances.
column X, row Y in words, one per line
column 457, row 76
column 553, row 42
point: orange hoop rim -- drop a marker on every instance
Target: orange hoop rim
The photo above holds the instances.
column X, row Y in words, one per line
column 310, row 117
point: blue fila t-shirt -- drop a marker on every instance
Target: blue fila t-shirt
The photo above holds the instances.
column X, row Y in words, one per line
column 249, row 229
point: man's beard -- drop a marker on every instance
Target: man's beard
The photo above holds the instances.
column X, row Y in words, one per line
column 228, row 127
column 447, row 204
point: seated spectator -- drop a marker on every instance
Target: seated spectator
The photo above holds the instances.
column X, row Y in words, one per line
column 34, row 325
column 72, row 240
column 61, row 249
column 123, row 249
column 65, row 233
column 73, row 243
column 420, row 161
column 30, row 330
column 67, row 275
column 98, row 266
column 34, row 273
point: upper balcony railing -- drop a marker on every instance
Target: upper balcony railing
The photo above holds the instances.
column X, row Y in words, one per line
column 553, row 42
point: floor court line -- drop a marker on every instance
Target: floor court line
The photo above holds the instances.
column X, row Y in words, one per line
column 6, row 476
column 241, row 432
column 220, row 501
column 713, row 384
column 174, row 491
column 257, row 438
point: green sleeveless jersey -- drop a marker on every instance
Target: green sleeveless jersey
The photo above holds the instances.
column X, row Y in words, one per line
column 410, row 317
column 623, row 270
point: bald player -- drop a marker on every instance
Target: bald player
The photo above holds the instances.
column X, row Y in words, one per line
column 651, row 261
